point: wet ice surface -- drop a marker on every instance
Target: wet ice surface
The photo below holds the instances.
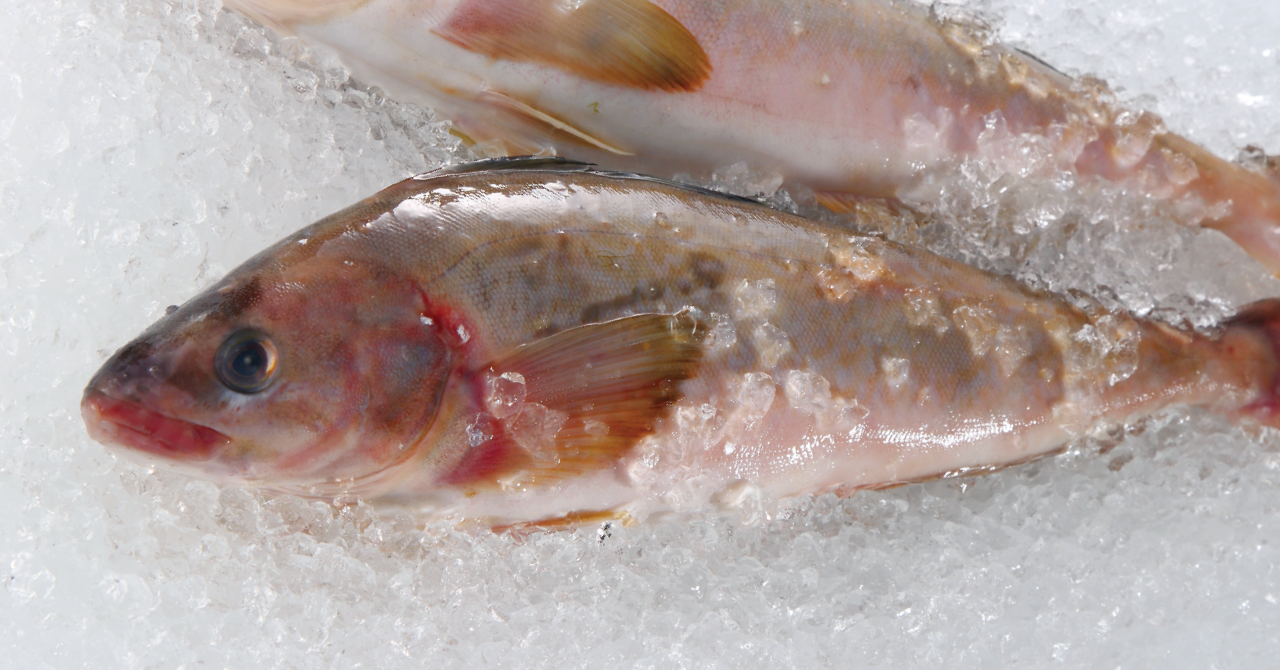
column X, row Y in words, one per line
column 153, row 146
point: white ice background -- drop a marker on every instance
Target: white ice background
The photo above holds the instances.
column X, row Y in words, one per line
column 147, row 147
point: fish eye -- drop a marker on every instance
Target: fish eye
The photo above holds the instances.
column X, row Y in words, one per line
column 246, row 362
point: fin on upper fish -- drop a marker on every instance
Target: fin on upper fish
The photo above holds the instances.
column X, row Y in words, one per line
column 871, row 212
column 578, row 400
column 485, row 141
column 625, row 42
column 545, row 124
column 853, row 203
column 282, row 15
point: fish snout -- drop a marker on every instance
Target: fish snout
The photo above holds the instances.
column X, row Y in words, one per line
column 132, row 372
column 117, row 422
column 119, row 409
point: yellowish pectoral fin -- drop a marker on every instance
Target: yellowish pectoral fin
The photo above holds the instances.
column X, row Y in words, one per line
column 568, row 521
column 579, row 400
column 625, row 42
column 884, row 214
column 490, row 143
column 840, row 203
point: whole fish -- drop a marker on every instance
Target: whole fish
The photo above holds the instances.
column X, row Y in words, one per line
column 533, row 341
column 851, row 99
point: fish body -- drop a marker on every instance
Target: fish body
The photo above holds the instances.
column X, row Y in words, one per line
column 533, row 341
column 850, row 99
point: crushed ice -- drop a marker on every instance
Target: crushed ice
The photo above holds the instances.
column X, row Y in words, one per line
column 152, row 146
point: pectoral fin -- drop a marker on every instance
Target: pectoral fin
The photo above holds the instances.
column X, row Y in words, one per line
column 571, row 520
column 625, row 42
column 579, row 400
column 546, row 124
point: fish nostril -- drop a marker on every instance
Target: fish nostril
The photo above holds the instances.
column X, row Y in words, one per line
column 133, row 352
column 129, row 377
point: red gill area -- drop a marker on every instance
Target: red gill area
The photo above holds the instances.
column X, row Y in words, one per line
column 484, row 464
column 113, row 421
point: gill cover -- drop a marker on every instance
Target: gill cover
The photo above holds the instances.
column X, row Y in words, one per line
column 314, row 375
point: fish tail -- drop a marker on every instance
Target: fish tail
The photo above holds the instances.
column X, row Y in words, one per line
column 1242, row 203
column 1251, row 345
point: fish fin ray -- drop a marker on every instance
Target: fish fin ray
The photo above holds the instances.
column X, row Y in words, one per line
column 513, row 163
column 840, row 203
column 570, row 520
column 870, row 212
column 502, row 137
column 545, row 124
column 607, row 384
column 631, row 43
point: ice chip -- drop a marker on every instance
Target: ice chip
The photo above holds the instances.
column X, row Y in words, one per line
column 978, row 324
column 722, row 336
column 851, row 255
column 772, row 343
column 897, row 371
column 808, row 392
column 505, row 394
column 740, row 179
column 925, row 310
column 836, row 283
column 1011, row 349
column 536, row 427
column 480, row 430
column 755, row 395
column 753, row 299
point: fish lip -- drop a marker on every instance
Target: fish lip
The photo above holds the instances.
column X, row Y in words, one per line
column 115, row 421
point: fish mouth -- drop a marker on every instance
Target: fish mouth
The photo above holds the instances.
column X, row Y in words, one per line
column 118, row 422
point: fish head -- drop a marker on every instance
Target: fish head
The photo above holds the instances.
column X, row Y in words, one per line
column 316, row 377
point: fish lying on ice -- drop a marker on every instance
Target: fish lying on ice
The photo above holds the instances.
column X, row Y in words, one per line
column 530, row 340
column 851, row 99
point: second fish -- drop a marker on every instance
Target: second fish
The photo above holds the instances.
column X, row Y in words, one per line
column 850, row 99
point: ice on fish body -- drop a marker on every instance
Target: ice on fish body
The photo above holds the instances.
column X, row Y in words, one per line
column 153, row 146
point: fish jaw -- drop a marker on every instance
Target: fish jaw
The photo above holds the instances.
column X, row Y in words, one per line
column 127, row 406
column 122, row 423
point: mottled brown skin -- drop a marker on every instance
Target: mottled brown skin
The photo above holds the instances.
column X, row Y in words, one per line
column 390, row 314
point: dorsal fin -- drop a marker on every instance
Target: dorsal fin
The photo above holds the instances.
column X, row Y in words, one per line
column 510, row 163
column 579, row 400
column 624, row 42
column 557, row 164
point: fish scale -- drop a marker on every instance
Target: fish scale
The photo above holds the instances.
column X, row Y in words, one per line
column 530, row 341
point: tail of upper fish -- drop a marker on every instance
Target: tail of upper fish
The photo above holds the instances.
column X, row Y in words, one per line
column 1241, row 202
column 1252, row 339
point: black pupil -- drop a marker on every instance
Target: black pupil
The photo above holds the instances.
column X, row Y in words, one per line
column 249, row 361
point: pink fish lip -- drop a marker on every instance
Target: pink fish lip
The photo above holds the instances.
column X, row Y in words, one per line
column 116, row 422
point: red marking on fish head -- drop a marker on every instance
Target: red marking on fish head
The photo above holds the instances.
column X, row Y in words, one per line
column 127, row 424
column 314, row 375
